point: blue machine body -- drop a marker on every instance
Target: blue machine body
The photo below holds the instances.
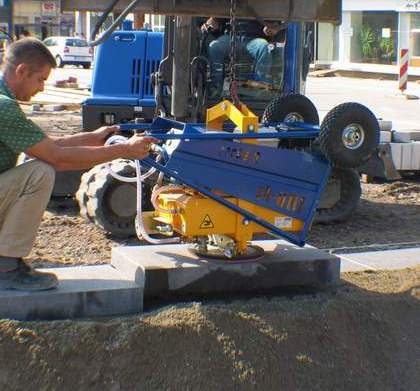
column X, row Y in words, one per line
column 123, row 67
column 211, row 162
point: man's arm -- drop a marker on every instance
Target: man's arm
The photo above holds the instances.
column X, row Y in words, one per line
column 211, row 25
column 65, row 158
column 84, row 139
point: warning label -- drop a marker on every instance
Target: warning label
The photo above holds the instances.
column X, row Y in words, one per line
column 283, row 222
column 207, row 223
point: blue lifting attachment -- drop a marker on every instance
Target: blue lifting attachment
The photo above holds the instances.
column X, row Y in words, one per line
column 284, row 180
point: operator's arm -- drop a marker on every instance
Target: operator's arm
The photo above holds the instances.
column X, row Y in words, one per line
column 64, row 158
column 20, row 134
column 211, row 25
column 95, row 138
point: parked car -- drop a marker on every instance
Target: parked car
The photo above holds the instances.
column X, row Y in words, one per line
column 70, row 50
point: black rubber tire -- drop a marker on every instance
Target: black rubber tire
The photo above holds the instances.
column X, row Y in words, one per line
column 59, row 62
column 98, row 200
column 285, row 104
column 331, row 135
column 86, row 66
column 350, row 192
column 81, row 195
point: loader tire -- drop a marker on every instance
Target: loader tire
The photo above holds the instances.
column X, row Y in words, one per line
column 291, row 108
column 347, row 200
column 81, row 195
column 110, row 203
column 349, row 135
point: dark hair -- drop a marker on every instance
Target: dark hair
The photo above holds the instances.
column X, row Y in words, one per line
column 30, row 51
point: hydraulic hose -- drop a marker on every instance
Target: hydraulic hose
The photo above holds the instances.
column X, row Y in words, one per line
column 102, row 19
column 139, row 178
column 114, row 25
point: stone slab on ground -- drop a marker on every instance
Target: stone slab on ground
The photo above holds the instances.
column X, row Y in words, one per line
column 83, row 291
column 405, row 136
column 406, row 156
column 172, row 271
column 380, row 260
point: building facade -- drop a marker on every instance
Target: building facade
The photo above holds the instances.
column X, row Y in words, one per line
column 5, row 16
column 41, row 19
column 372, row 32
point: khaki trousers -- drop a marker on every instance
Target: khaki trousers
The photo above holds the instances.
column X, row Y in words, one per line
column 24, row 194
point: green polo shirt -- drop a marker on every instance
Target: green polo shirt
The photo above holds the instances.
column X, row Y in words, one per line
column 17, row 133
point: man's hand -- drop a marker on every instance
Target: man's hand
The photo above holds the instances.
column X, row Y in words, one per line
column 211, row 25
column 138, row 146
column 100, row 135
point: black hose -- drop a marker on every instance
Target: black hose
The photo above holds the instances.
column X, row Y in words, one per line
column 114, row 25
column 102, row 19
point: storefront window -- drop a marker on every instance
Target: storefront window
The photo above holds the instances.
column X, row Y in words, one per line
column 415, row 39
column 374, row 38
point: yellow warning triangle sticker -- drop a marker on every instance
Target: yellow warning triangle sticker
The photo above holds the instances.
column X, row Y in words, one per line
column 207, row 223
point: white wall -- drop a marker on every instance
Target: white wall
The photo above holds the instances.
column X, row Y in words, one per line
column 369, row 5
column 377, row 5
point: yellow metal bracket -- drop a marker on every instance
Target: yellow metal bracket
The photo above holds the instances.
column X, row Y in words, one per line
column 242, row 117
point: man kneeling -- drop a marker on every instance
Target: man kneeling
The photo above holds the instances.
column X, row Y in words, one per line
column 25, row 189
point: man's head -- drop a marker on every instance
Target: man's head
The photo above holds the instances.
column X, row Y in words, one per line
column 26, row 66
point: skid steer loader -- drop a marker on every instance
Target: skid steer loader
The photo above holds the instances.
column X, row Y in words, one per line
column 316, row 164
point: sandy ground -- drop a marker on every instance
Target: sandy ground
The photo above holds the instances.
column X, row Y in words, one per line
column 362, row 336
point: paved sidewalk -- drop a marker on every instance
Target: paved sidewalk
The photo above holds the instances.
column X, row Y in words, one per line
column 380, row 260
column 55, row 95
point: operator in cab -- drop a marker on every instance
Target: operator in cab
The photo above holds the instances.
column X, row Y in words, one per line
column 253, row 38
column 25, row 189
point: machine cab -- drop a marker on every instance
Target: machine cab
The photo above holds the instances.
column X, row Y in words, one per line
column 258, row 50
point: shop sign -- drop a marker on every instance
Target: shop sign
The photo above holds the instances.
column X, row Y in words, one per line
column 411, row 6
column 49, row 8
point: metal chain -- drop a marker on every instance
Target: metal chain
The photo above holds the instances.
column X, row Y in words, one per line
column 232, row 64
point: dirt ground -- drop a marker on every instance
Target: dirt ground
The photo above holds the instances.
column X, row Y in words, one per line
column 364, row 335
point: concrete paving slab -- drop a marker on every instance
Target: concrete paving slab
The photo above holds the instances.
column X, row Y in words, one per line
column 83, row 291
column 172, row 271
column 380, row 260
column 405, row 136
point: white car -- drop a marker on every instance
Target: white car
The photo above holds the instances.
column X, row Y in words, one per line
column 70, row 50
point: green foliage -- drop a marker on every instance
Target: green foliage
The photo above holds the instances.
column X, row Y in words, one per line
column 368, row 41
column 387, row 47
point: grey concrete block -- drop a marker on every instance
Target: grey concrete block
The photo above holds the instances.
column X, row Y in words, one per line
column 405, row 136
column 380, row 260
column 172, row 271
column 406, row 156
column 385, row 137
column 385, row 126
column 83, row 291
column 53, row 108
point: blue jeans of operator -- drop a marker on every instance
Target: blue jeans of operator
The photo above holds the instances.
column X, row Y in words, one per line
column 257, row 48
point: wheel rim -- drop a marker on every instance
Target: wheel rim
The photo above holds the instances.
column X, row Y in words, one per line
column 353, row 136
column 294, row 117
column 121, row 201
